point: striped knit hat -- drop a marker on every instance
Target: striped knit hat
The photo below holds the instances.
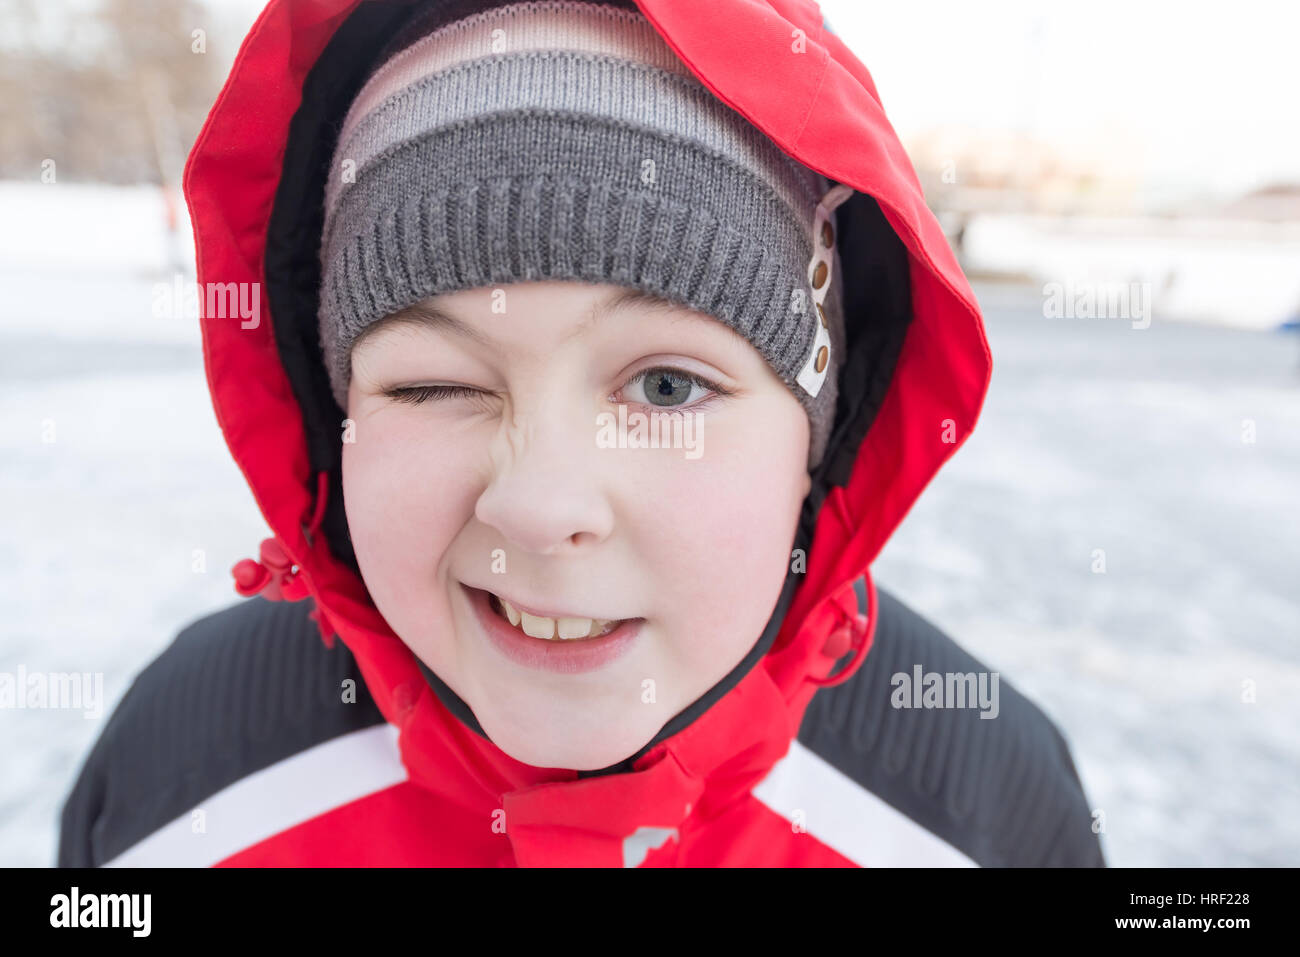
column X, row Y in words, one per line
column 507, row 142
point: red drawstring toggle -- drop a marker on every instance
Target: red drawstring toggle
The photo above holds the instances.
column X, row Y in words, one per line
column 853, row 634
column 274, row 577
column 839, row 641
column 849, row 636
column 250, row 577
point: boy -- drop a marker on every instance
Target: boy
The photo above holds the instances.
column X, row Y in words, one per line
column 490, row 234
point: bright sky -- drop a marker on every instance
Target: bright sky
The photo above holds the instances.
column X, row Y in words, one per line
column 1201, row 96
column 1190, row 96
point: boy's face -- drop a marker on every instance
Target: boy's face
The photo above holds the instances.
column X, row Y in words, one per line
column 515, row 485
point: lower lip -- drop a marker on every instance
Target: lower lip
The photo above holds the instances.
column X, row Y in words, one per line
column 574, row 656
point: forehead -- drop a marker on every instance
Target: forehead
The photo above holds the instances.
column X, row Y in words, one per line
column 491, row 317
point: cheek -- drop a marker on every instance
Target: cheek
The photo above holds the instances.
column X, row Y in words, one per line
column 406, row 497
column 718, row 532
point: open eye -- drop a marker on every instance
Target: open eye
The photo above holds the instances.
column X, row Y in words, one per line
column 665, row 387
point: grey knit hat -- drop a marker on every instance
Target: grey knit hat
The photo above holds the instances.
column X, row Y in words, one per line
column 508, row 142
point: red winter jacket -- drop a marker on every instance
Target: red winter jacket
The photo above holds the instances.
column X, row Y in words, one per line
column 233, row 747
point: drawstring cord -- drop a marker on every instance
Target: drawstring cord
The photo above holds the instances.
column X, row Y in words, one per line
column 854, row 632
column 318, row 514
column 273, row 575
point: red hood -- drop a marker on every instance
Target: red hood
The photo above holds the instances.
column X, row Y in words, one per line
column 821, row 107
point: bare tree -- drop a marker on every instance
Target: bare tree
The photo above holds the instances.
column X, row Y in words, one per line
column 113, row 91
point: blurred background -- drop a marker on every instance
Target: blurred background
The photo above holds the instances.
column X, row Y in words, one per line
column 1120, row 538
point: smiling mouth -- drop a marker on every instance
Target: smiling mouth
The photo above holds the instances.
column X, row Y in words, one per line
column 552, row 629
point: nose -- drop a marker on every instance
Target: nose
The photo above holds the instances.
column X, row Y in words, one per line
column 545, row 494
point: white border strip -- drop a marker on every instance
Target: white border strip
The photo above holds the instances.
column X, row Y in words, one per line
column 839, row 812
column 274, row 799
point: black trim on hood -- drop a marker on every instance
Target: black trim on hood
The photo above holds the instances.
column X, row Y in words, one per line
column 292, row 251
column 876, row 290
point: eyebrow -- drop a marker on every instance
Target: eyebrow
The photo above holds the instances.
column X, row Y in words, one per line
column 428, row 315
column 620, row 301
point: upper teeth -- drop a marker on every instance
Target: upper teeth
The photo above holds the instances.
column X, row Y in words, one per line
column 566, row 628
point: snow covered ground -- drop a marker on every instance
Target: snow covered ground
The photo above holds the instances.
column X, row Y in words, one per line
column 124, row 510
column 125, row 514
column 1224, row 272
column 1099, row 436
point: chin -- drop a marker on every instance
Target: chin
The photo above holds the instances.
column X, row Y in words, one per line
column 533, row 743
